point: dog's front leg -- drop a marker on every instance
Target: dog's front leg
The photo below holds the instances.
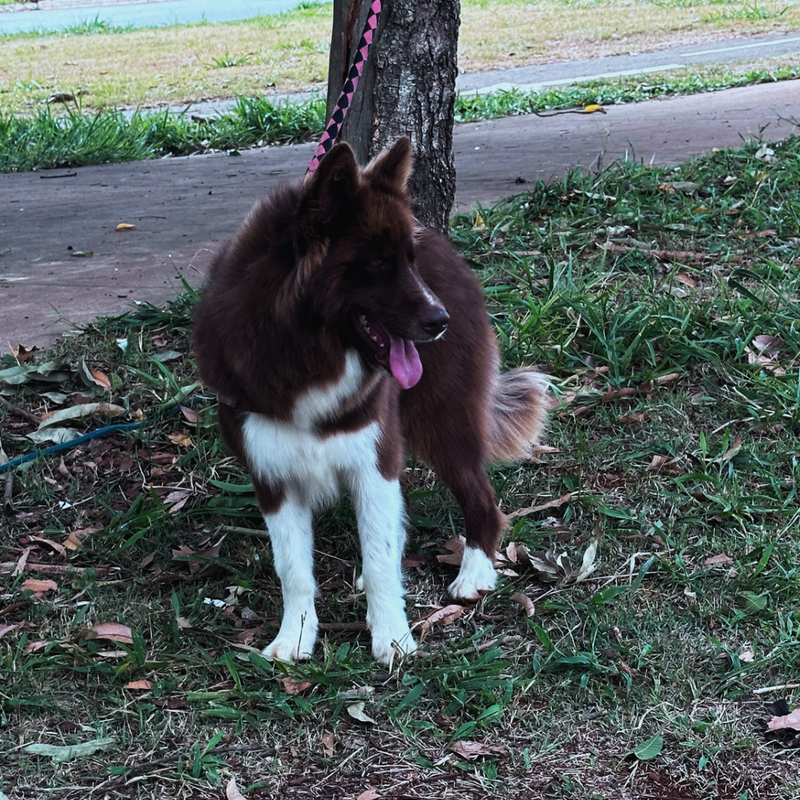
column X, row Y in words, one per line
column 293, row 553
column 379, row 508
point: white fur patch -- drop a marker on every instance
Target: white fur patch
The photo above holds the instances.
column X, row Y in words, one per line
column 312, row 470
column 293, row 453
column 293, row 553
column 379, row 508
column 476, row 577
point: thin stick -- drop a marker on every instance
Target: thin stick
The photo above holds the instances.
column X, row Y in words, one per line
column 246, row 531
column 53, row 569
column 336, row 627
column 135, row 769
column 779, row 688
column 12, row 607
column 20, row 412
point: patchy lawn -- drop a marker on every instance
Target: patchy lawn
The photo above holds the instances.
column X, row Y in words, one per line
column 289, row 52
column 645, row 629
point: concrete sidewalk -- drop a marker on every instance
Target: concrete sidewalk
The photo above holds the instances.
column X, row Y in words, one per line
column 183, row 208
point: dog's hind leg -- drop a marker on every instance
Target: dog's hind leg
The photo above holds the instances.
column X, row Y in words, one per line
column 454, row 447
column 483, row 522
column 293, row 553
column 379, row 509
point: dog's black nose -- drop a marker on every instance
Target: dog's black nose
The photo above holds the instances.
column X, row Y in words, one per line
column 434, row 320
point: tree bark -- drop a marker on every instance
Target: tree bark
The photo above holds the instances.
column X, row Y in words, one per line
column 407, row 89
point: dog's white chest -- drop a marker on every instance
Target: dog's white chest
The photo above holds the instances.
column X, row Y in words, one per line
column 294, row 453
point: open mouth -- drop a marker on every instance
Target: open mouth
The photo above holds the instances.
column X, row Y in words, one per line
column 398, row 355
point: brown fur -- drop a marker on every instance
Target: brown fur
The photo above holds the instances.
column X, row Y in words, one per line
column 276, row 319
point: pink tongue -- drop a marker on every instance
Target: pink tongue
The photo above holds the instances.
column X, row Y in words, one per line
column 404, row 361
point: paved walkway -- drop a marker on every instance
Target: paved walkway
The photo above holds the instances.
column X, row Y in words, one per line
column 58, row 14
column 183, row 208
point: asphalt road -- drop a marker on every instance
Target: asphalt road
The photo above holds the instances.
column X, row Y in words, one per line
column 184, row 208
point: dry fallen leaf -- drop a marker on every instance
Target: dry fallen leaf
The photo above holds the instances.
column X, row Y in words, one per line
column 181, row 439
column 73, row 541
column 232, row 791
column 791, row 721
column 659, row 462
column 370, row 794
column 82, row 410
column 138, row 685
column 100, row 378
column 196, row 558
column 38, row 587
column 525, row 602
column 456, row 554
column 327, row 743
column 559, row 501
column 59, row 548
column 444, row 616
column 125, row 226
column 112, row 631
column 4, row 629
column 291, row 686
column 735, row 448
column 722, row 558
column 190, row 415
column 551, row 567
column 748, row 656
column 588, row 565
column 473, row 750
column 356, row 711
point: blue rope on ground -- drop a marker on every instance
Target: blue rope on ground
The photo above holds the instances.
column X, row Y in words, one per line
column 72, row 443
column 87, row 437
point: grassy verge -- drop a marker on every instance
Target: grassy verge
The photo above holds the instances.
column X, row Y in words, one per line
column 77, row 138
column 289, row 52
column 664, row 304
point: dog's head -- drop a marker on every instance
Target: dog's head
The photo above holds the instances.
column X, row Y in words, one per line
column 355, row 243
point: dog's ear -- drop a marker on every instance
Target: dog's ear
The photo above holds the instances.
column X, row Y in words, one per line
column 393, row 166
column 331, row 186
column 327, row 191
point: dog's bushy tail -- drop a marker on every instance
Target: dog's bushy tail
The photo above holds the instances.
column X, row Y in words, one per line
column 517, row 415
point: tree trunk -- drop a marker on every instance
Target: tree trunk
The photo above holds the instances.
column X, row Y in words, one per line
column 407, row 89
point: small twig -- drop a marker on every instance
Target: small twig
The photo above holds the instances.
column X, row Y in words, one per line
column 52, row 569
column 142, row 766
column 567, row 111
column 9, row 491
column 486, row 645
column 246, row 531
column 20, row 412
column 336, row 627
column 11, row 608
column 64, row 175
column 778, row 688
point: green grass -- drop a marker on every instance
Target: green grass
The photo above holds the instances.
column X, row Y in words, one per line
column 76, row 138
column 750, row 11
column 642, row 292
column 94, row 27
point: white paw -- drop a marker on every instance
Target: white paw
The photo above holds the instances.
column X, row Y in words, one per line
column 360, row 583
column 388, row 647
column 476, row 577
column 294, row 642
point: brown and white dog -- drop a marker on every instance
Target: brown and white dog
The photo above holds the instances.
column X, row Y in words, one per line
column 337, row 332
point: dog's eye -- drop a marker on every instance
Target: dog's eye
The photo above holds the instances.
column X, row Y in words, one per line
column 374, row 266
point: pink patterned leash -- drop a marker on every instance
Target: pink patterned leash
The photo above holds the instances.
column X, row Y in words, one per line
column 348, row 90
